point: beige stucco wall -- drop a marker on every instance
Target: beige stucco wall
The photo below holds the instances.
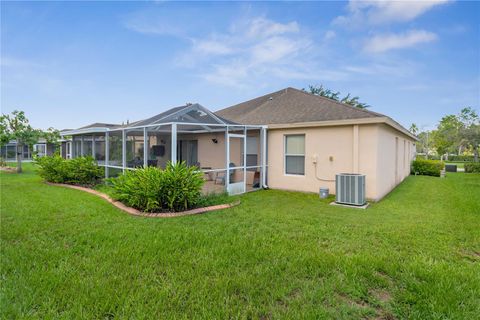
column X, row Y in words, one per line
column 396, row 153
column 364, row 149
column 213, row 154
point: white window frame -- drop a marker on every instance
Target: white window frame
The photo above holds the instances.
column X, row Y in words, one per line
column 293, row 155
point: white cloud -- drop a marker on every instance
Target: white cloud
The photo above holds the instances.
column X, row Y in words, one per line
column 386, row 42
column 276, row 48
column 261, row 27
column 158, row 28
column 384, row 11
column 211, row 46
column 251, row 49
column 330, row 34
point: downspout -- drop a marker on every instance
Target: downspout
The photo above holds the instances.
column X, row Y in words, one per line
column 355, row 148
column 263, row 134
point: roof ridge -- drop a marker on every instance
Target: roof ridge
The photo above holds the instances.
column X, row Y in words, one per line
column 339, row 103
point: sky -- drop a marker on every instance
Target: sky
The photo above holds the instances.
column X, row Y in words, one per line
column 68, row 64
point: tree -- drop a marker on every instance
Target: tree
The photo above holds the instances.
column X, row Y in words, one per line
column 353, row 101
column 458, row 132
column 471, row 136
column 52, row 136
column 470, row 130
column 16, row 127
column 423, row 144
column 324, row 92
column 327, row 93
column 413, row 129
column 446, row 138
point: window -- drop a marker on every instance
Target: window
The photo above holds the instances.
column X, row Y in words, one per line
column 295, row 154
column 41, row 149
column 252, row 153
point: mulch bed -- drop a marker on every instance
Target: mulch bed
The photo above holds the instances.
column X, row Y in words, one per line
column 139, row 213
column 8, row 169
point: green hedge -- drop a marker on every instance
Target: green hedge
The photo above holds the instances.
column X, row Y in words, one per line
column 460, row 158
column 427, row 167
column 430, row 157
column 176, row 188
column 472, row 167
column 79, row 171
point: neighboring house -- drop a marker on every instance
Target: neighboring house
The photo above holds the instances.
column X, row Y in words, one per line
column 41, row 148
column 288, row 140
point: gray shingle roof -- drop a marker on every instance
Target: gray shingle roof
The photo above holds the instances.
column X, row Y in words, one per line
column 291, row 105
column 98, row 125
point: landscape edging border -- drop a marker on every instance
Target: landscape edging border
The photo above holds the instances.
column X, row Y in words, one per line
column 135, row 212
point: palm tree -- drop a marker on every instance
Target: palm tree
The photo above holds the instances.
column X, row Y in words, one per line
column 413, row 128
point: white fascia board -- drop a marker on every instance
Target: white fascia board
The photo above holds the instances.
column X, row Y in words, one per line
column 385, row 120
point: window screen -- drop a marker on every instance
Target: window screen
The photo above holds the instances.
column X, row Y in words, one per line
column 295, row 154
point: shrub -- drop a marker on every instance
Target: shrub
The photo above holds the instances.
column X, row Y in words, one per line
column 472, row 167
column 176, row 188
column 52, row 169
column 427, row 167
column 140, row 189
column 460, row 158
column 3, row 163
column 83, row 170
column 182, row 186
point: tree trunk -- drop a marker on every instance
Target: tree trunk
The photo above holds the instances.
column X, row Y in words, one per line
column 19, row 156
column 475, row 154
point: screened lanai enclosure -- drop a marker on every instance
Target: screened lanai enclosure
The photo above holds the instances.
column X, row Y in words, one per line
column 230, row 155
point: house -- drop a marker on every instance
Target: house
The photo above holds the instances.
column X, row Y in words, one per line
column 41, row 148
column 288, row 140
column 312, row 138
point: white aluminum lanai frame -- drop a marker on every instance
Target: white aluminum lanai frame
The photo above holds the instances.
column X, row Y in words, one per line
column 184, row 124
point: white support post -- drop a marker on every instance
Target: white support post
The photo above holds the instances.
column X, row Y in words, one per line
column 145, row 148
column 93, row 147
column 173, row 157
column 124, row 150
column 263, row 134
column 227, row 160
column 107, row 153
column 81, row 147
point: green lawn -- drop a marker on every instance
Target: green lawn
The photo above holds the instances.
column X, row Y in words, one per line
column 66, row 254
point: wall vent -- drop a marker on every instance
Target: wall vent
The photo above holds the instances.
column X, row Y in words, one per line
column 350, row 189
